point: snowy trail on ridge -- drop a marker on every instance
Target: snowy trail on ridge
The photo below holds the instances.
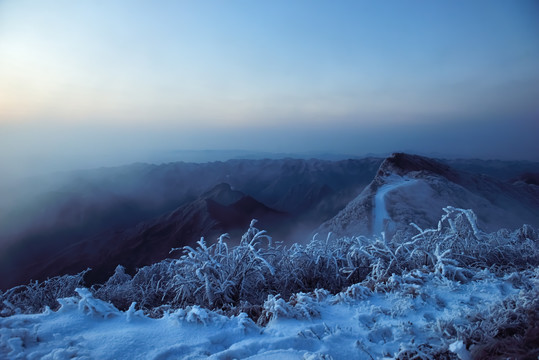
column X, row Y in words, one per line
column 380, row 211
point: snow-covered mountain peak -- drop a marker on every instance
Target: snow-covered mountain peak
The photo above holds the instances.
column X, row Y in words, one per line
column 402, row 164
column 408, row 187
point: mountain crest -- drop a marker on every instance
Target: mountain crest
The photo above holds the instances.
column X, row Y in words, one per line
column 414, row 188
column 402, row 164
column 223, row 194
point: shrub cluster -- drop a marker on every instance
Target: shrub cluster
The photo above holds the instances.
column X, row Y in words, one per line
column 36, row 296
column 240, row 278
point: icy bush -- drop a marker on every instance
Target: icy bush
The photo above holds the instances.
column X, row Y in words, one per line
column 267, row 281
column 242, row 277
column 89, row 305
column 300, row 306
column 508, row 329
column 36, row 296
column 457, row 234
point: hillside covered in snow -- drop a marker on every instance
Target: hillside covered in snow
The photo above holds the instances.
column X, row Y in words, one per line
column 411, row 188
column 450, row 292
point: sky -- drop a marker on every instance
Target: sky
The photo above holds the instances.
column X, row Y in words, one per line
column 104, row 82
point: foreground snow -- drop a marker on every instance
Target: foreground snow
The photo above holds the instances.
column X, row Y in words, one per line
column 448, row 292
column 354, row 324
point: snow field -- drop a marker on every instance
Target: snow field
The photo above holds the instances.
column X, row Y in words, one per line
column 354, row 324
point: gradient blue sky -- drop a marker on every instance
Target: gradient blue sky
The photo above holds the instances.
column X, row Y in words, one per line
column 111, row 80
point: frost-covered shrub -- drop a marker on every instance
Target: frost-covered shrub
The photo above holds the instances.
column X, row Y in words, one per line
column 221, row 277
column 457, row 234
column 216, row 275
column 234, row 279
column 149, row 287
column 260, row 280
column 509, row 329
column 300, row 306
column 352, row 294
column 118, row 289
column 452, row 251
column 424, row 352
column 89, row 305
column 36, row 296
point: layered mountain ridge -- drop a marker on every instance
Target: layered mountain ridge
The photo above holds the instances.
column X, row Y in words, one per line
column 218, row 211
column 134, row 215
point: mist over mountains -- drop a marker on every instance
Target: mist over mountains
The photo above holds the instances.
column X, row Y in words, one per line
column 51, row 231
column 133, row 215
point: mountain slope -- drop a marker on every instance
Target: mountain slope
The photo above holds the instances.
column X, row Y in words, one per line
column 85, row 203
column 88, row 206
column 217, row 211
column 133, row 206
column 413, row 188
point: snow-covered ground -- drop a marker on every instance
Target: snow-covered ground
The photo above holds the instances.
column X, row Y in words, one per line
column 448, row 292
column 355, row 324
column 380, row 214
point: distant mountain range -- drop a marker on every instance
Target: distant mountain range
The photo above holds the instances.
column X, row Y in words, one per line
column 133, row 215
column 218, row 211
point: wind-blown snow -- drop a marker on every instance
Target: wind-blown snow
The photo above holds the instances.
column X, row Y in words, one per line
column 354, row 324
column 380, row 213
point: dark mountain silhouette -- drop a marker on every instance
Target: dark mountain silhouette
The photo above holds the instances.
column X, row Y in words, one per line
column 133, row 215
column 221, row 210
column 527, row 178
column 170, row 205
column 498, row 169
